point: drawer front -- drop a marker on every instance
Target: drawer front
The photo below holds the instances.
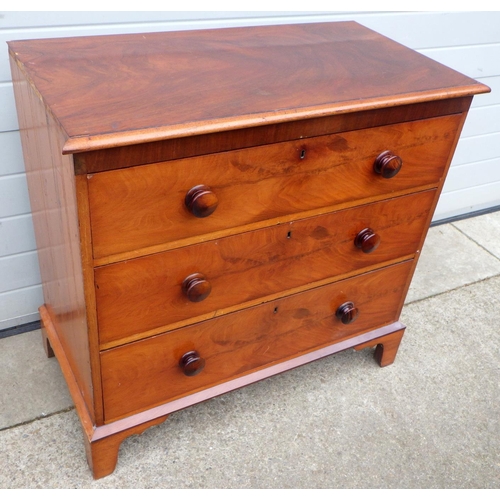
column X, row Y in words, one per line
column 146, row 373
column 144, row 206
column 148, row 293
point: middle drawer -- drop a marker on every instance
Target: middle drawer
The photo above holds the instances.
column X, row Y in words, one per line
column 139, row 297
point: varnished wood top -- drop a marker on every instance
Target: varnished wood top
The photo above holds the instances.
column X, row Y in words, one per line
column 115, row 90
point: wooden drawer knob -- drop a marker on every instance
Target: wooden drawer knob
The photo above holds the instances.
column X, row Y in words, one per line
column 367, row 240
column 196, row 287
column 347, row 313
column 387, row 164
column 201, row 201
column 191, row 363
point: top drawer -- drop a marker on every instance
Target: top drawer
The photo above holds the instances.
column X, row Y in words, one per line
column 140, row 207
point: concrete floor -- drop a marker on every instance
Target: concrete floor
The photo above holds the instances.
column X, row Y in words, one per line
column 430, row 420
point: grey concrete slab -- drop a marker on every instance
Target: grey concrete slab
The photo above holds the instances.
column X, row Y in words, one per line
column 32, row 385
column 449, row 260
column 484, row 230
column 430, row 420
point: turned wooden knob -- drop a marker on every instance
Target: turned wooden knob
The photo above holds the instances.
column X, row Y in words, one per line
column 347, row 313
column 196, row 287
column 191, row 363
column 201, row 201
column 367, row 240
column 387, row 164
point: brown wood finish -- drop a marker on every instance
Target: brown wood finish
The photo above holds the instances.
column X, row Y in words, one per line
column 101, row 447
column 46, row 343
column 51, row 185
column 236, row 383
column 145, row 373
column 217, row 235
column 102, row 443
column 229, row 219
column 184, row 147
column 196, row 287
column 347, row 313
column 139, row 88
column 387, row 164
column 386, row 347
column 367, row 240
column 201, row 201
column 84, row 225
column 107, row 431
column 144, row 206
column 147, row 293
column 50, row 334
column 434, row 203
column 191, row 363
column 102, row 455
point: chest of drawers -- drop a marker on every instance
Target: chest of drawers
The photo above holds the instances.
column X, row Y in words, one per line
column 215, row 207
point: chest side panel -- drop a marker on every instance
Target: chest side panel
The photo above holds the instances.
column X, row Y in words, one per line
column 54, row 205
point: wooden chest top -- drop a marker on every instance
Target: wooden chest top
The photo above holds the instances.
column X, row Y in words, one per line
column 108, row 91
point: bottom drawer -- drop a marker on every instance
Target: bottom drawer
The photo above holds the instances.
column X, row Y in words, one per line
column 147, row 373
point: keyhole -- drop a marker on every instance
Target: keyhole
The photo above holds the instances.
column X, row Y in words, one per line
column 289, row 234
column 275, row 310
column 302, row 154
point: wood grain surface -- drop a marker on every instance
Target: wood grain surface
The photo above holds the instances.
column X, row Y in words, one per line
column 259, row 272
column 135, row 208
column 195, row 145
column 51, row 183
column 147, row 293
column 141, row 87
column 147, row 373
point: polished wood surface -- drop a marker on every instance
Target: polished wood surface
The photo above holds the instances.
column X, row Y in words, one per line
column 387, row 164
column 84, row 226
column 51, row 335
column 232, row 204
column 53, row 198
column 191, row 363
column 250, row 378
column 367, row 240
column 386, row 347
column 347, row 313
column 196, row 287
column 102, row 443
column 148, row 293
column 145, row 373
column 194, row 145
column 102, row 454
column 201, row 201
column 140, row 87
column 144, row 206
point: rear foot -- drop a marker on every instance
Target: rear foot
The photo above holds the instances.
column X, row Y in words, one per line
column 386, row 347
column 46, row 344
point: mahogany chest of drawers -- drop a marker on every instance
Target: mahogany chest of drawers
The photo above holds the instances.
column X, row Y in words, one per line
column 218, row 206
